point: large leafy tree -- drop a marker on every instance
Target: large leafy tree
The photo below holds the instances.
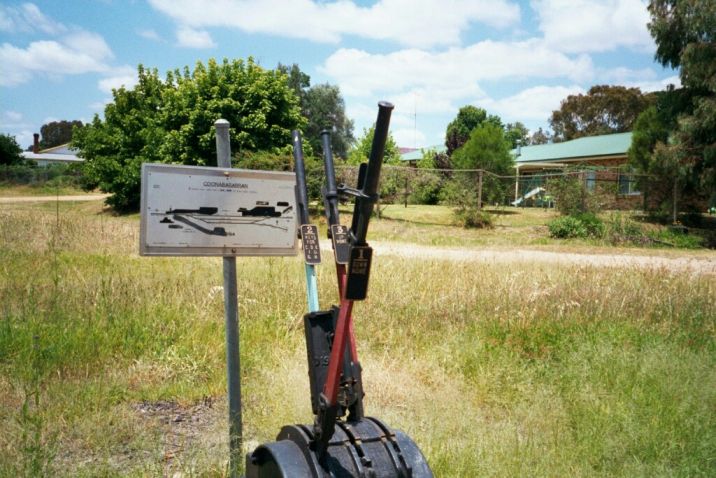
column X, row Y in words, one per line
column 56, row 133
column 487, row 149
column 324, row 108
column 517, row 134
column 685, row 35
column 361, row 150
column 540, row 137
column 172, row 121
column 468, row 118
column 604, row 109
column 10, row 151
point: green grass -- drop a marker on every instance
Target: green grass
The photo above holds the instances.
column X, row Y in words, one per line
column 493, row 369
column 42, row 189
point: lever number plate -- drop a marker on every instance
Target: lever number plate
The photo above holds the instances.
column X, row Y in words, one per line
column 342, row 248
column 358, row 272
column 311, row 248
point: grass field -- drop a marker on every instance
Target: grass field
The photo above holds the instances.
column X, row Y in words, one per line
column 113, row 364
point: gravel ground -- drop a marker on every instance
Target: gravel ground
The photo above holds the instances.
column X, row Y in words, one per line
column 695, row 265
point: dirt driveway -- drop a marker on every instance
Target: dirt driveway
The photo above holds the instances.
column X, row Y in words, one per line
column 704, row 264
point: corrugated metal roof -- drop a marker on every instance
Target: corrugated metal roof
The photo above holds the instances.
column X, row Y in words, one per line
column 60, row 149
column 589, row 146
column 417, row 155
column 69, row 158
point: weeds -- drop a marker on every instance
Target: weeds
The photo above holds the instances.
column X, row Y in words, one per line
column 541, row 370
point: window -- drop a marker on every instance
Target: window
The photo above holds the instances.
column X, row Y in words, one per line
column 627, row 184
column 590, row 180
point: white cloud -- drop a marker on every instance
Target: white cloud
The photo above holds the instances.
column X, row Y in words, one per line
column 594, row 25
column 530, row 105
column 11, row 116
column 124, row 76
column 51, row 58
column 622, row 75
column 420, row 23
column 409, row 137
column 149, row 34
column 27, row 18
column 656, row 85
column 454, row 73
column 88, row 43
column 73, row 52
column 190, row 38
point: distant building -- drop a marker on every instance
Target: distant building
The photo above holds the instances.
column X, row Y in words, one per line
column 411, row 156
column 603, row 158
column 62, row 154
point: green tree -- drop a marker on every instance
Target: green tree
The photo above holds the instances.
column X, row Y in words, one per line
column 517, row 133
column 685, row 36
column 540, row 137
column 57, row 133
column 298, row 81
column 468, row 118
column 361, row 150
column 10, row 151
column 604, row 109
column 324, row 108
column 487, row 149
column 172, row 121
column 390, row 182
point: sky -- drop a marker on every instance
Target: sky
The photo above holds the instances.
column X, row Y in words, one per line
column 60, row 59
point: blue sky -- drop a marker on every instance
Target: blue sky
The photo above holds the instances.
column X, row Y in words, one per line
column 518, row 59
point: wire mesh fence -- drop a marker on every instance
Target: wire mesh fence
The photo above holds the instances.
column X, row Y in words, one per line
column 53, row 175
column 614, row 188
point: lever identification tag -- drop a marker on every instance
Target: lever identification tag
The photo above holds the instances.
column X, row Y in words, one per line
column 309, row 240
column 342, row 248
column 358, row 272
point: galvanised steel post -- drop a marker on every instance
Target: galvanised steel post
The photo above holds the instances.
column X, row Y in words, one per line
column 231, row 312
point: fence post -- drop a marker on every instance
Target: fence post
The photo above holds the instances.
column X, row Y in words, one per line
column 479, row 190
column 676, row 193
column 406, row 189
column 231, row 313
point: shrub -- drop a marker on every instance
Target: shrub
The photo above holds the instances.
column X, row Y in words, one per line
column 471, row 217
column 571, row 196
column 592, row 224
column 567, row 227
column 579, row 225
column 426, row 189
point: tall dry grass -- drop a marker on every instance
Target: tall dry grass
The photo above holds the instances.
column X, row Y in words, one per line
column 494, row 370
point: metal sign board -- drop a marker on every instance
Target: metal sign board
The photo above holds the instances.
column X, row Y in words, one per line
column 311, row 247
column 205, row 211
column 358, row 272
column 340, row 235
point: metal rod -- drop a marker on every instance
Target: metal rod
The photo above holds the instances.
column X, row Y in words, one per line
column 331, row 188
column 302, row 200
column 301, row 194
column 333, row 218
column 364, row 206
column 231, row 313
column 368, row 183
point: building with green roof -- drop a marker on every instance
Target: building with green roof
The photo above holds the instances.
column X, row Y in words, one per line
column 414, row 155
column 602, row 158
column 589, row 149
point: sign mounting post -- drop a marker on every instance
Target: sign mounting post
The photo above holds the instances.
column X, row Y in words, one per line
column 206, row 211
column 231, row 313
